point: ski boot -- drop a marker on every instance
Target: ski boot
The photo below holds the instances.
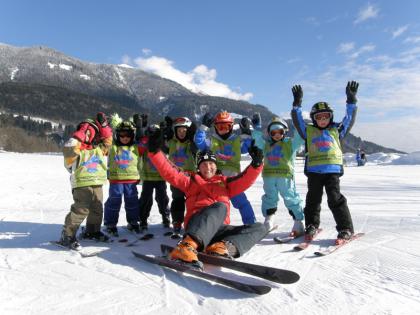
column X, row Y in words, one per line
column 343, row 236
column 186, row 252
column 143, row 226
column 224, row 249
column 69, row 241
column 297, row 229
column 133, row 227
column 310, row 232
column 95, row 236
column 112, row 230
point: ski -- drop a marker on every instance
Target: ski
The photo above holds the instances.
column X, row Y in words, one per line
column 84, row 252
column 269, row 273
column 305, row 244
column 173, row 235
column 331, row 249
column 285, row 239
column 145, row 237
column 245, row 287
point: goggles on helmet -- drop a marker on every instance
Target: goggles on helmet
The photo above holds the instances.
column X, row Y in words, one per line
column 277, row 132
column 181, row 122
column 223, row 126
column 322, row 116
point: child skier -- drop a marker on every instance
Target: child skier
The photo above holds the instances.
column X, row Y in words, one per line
column 84, row 158
column 278, row 173
column 181, row 151
column 324, row 160
column 228, row 147
column 123, row 177
column 152, row 181
column 208, row 194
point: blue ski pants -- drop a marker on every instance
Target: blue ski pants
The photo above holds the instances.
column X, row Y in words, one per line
column 286, row 188
column 113, row 204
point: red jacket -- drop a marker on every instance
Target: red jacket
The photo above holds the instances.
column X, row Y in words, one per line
column 200, row 192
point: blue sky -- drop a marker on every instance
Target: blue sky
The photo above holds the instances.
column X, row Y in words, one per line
column 251, row 50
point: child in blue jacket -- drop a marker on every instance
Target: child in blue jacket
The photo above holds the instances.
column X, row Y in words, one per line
column 278, row 172
column 228, row 147
column 324, row 160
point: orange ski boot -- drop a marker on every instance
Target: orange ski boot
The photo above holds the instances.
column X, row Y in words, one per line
column 186, row 251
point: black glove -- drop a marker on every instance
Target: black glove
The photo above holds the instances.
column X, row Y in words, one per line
column 101, row 119
column 155, row 141
column 256, row 155
column 245, row 125
column 144, row 120
column 138, row 122
column 297, row 95
column 207, row 120
column 191, row 131
column 351, row 91
column 256, row 120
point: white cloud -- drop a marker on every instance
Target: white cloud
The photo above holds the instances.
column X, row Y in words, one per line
column 345, row 47
column 412, row 40
column 200, row 80
column 146, row 51
column 399, row 31
column 366, row 13
column 362, row 50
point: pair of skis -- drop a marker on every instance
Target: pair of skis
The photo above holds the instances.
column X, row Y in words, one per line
column 269, row 273
column 322, row 252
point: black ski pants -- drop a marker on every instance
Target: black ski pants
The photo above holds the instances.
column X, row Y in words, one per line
column 146, row 199
column 336, row 201
column 177, row 205
column 206, row 227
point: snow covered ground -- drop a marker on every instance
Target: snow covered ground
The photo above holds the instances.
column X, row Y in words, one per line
column 377, row 274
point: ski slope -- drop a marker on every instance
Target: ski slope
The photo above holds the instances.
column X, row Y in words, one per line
column 377, row 274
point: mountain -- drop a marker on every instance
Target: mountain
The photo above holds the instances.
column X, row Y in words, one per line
column 42, row 82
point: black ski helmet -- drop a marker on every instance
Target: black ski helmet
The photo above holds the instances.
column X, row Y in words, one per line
column 321, row 107
column 206, row 155
column 125, row 127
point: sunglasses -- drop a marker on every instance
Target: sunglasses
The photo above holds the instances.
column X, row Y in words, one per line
column 277, row 132
column 223, row 126
column 322, row 116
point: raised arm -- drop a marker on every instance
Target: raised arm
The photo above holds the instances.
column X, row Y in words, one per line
column 200, row 138
column 351, row 109
column 296, row 112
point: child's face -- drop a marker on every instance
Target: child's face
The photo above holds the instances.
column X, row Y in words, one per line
column 181, row 132
column 124, row 138
column 277, row 134
column 323, row 119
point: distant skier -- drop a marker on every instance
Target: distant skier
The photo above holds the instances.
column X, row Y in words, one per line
column 84, row 158
column 361, row 157
column 123, row 175
column 228, row 147
column 208, row 196
column 278, row 173
column 324, row 160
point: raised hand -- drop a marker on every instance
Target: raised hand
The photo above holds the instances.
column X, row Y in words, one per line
column 351, row 91
column 297, row 95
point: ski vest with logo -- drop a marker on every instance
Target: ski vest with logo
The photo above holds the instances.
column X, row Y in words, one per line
column 123, row 163
column 91, row 168
column 180, row 154
column 147, row 170
column 278, row 160
column 228, row 153
column 323, row 146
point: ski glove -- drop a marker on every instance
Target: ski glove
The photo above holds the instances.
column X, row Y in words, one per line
column 191, row 131
column 101, row 119
column 351, row 91
column 256, row 121
column 256, row 155
column 155, row 138
column 297, row 95
column 245, row 125
column 207, row 120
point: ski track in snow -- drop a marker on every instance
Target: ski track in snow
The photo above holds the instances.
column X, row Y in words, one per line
column 376, row 274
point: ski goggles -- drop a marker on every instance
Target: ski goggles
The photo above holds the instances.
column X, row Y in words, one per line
column 223, row 126
column 277, row 132
column 322, row 116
